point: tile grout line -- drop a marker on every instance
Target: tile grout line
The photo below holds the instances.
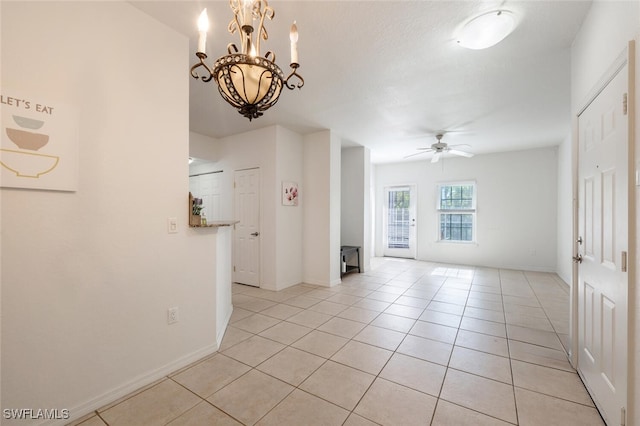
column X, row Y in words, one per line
column 368, row 290
column 446, row 371
column 506, row 330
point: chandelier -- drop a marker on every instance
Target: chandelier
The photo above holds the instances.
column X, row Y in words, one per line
column 249, row 82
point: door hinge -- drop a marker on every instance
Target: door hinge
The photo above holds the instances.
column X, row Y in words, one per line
column 623, row 416
column 623, row 261
column 234, row 268
column 624, row 104
column 234, row 184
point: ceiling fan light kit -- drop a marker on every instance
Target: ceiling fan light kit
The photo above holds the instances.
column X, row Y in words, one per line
column 486, row 30
column 249, row 82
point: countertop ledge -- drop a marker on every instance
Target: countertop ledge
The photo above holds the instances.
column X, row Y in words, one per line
column 216, row 224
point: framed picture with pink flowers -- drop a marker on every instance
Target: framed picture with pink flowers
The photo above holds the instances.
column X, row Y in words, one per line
column 289, row 194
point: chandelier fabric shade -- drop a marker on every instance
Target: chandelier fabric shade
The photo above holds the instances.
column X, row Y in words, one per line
column 252, row 85
column 249, row 82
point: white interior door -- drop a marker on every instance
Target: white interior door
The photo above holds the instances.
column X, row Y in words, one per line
column 400, row 221
column 603, row 149
column 246, row 247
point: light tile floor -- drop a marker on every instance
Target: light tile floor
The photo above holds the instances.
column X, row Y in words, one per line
column 408, row 343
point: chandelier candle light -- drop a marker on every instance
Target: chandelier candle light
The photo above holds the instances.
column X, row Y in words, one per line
column 249, row 82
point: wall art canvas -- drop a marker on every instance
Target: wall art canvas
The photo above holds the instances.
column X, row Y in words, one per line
column 289, row 194
column 38, row 144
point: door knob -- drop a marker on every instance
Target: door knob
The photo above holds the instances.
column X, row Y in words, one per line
column 255, row 234
column 577, row 258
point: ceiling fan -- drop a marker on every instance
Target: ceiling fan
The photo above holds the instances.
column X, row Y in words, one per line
column 440, row 148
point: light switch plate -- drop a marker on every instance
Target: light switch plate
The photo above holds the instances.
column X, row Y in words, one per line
column 172, row 225
column 172, row 315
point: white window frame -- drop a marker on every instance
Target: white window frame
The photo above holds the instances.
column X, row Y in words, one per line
column 472, row 211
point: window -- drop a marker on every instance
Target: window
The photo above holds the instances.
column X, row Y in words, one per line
column 457, row 210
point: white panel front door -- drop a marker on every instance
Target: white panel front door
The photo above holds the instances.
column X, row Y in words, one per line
column 246, row 247
column 603, row 148
column 400, row 221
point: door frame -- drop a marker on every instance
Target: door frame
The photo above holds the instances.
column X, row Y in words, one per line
column 413, row 232
column 626, row 58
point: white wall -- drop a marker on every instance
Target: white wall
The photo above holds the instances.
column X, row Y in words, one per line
column 87, row 276
column 604, row 34
column 253, row 149
column 608, row 27
column 516, row 208
column 355, row 215
column 1, row 233
column 334, row 168
column 352, row 197
column 278, row 152
column 223, row 260
column 208, row 150
column 1, row 313
column 374, row 239
column 289, row 158
column 321, row 223
column 297, row 243
column 564, row 263
column 316, row 244
column 203, row 147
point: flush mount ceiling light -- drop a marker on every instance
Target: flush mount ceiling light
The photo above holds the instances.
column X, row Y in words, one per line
column 249, row 82
column 487, row 29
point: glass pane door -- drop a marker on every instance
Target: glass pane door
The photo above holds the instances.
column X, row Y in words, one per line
column 400, row 222
column 398, row 219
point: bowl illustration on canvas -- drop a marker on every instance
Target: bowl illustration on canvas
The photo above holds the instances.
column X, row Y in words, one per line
column 28, row 123
column 27, row 140
column 27, row 164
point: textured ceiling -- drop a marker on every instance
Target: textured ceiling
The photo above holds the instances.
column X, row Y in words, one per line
column 389, row 75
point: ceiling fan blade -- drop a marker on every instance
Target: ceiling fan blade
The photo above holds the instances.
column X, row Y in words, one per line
column 461, row 153
column 436, row 157
column 417, row 153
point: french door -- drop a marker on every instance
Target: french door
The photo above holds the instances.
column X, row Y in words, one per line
column 400, row 221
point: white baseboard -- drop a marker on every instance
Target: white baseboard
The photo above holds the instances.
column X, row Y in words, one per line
column 335, row 282
column 316, row 282
column 323, row 283
column 222, row 330
column 86, row 407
